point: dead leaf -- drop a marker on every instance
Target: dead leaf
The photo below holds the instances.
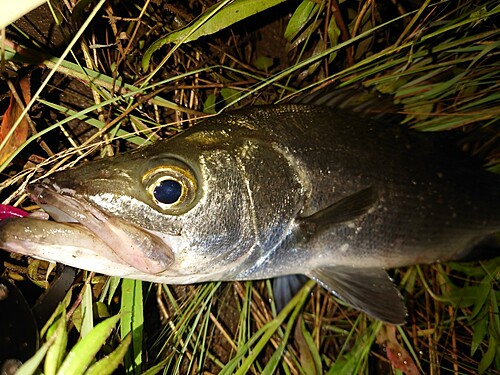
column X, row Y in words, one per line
column 396, row 353
column 10, row 117
column 309, row 356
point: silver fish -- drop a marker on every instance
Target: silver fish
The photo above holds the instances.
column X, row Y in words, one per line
column 265, row 192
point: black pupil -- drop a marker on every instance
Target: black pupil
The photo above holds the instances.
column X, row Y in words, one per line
column 168, row 191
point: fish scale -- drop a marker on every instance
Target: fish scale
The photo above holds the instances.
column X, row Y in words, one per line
column 270, row 192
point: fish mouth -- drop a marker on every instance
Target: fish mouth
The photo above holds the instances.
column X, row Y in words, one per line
column 131, row 244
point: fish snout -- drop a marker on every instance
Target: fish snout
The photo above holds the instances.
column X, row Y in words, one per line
column 131, row 244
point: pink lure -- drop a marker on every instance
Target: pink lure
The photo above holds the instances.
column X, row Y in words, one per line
column 7, row 211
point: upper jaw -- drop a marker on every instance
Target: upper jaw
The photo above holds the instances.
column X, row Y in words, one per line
column 48, row 196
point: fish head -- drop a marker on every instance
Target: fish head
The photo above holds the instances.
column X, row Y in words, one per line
column 194, row 208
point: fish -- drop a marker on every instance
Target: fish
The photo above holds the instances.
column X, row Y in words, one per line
column 306, row 188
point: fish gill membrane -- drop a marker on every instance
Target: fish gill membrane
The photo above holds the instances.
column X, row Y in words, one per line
column 269, row 192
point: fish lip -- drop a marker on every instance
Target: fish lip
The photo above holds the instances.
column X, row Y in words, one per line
column 38, row 190
column 140, row 249
column 48, row 195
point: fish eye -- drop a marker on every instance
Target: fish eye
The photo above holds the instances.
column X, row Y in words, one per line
column 168, row 191
column 172, row 188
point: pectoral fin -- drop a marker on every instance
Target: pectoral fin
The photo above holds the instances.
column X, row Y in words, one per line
column 345, row 210
column 285, row 288
column 367, row 289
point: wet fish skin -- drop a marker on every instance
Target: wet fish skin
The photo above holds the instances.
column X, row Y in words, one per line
column 274, row 191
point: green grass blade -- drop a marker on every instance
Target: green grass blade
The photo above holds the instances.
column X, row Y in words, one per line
column 214, row 19
column 56, row 352
column 132, row 322
column 31, row 365
column 83, row 353
column 87, row 312
column 110, row 363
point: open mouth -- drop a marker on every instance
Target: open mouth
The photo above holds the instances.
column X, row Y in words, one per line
column 133, row 245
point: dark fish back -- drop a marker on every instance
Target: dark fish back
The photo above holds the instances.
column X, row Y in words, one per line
column 430, row 192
